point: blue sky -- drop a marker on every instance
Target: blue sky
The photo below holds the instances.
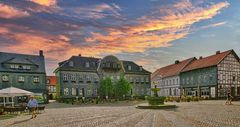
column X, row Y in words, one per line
column 152, row 33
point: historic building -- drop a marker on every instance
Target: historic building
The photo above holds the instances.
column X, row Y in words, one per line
column 81, row 76
column 23, row 71
column 212, row 76
column 51, row 86
column 168, row 78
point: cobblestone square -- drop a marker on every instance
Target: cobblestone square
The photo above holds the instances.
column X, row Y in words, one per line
column 192, row 114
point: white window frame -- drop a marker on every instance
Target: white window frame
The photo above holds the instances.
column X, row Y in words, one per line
column 21, row 78
column 36, row 79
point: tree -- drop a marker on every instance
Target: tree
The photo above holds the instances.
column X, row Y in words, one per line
column 106, row 87
column 122, row 88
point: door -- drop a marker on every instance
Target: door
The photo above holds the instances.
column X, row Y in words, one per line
column 233, row 91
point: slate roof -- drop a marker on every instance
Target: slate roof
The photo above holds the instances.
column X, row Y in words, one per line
column 80, row 61
column 134, row 68
column 207, row 61
column 22, row 59
column 52, row 79
column 79, row 64
column 173, row 69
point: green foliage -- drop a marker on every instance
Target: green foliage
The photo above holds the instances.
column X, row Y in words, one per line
column 122, row 88
column 106, row 87
column 189, row 99
column 156, row 100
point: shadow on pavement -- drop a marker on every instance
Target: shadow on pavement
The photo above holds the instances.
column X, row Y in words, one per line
column 20, row 121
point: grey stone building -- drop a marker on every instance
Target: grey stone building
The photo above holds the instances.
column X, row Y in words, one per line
column 23, row 71
column 81, row 76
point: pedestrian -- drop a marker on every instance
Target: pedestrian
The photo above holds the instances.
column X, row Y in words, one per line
column 229, row 99
column 32, row 105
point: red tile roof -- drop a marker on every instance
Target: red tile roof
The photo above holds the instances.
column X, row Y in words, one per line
column 52, row 79
column 207, row 61
column 173, row 69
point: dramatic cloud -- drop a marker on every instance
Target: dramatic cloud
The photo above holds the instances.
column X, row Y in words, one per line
column 9, row 12
column 45, row 2
column 154, row 31
column 97, row 29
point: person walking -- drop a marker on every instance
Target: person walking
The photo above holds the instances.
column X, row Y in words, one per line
column 32, row 105
column 229, row 99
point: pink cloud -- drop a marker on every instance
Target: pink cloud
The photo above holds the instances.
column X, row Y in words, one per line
column 9, row 12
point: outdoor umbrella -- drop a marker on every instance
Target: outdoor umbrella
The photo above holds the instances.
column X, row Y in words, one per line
column 13, row 92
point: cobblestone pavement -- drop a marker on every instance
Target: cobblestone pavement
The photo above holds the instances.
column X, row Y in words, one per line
column 192, row 114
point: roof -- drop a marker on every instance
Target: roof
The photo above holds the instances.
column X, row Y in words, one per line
column 134, row 68
column 52, row 80
column 79, row 64
column 173, row 69
column 207, row 61
column 22, row 59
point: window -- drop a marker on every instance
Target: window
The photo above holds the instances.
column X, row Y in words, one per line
column 16, row 66
column 129, row 68
column 88, row 79
column 65, row 77
column 54, row 89
column 74, row 91
column 66, row 91
column 12, row 66
column 80, row 78
column 48, row 81
column 20, row 79
column 36, row 79
column 87, row 64
column 73, row 77
column 114, row 65
column 140, row 68
column 71, row 64
column 147, row 79
column 5, row 78
column 89, row 92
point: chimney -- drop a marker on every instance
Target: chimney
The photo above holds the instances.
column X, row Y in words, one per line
column 40, row 52
column 217, row 52
column 177, row 61
column 200, row 57
column 79, row 54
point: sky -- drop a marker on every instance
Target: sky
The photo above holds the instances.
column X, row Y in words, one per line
column 152, row 33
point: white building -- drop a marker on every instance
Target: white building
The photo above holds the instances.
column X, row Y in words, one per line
column 167, row 78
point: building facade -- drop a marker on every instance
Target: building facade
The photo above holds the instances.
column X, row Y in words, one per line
column 212, row 76
column 81, row 76
column 168, row 78
column 51, row 87
column 23, row 71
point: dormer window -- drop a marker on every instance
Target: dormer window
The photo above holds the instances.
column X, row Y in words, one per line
column 12, row 66
column 87, row 64
column 140, row 68
column 5, row 78
column 129, row 67
column 71, row 64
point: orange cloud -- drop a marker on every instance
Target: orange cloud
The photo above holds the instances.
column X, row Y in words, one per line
column 146, row 35
column 9, row 12
column 45, row 2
